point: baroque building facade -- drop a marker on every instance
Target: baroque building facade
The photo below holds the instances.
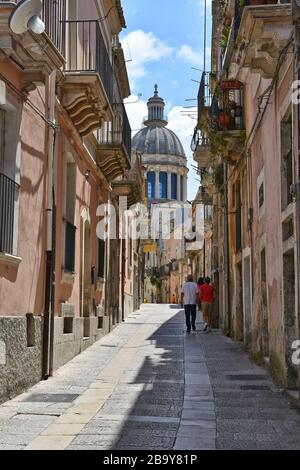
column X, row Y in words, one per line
column 65, row 160
column 246, row 148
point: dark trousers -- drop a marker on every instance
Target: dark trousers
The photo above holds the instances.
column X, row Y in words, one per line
column 190, row 310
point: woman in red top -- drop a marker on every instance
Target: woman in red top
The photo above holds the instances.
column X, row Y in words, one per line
column 207, row 298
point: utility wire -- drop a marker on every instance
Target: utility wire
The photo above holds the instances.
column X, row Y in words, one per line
column 26, row 100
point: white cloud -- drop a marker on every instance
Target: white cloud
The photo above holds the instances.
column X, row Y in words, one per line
column 184, row 126
column 189, row 55
column 143, row 48
column 136, row 111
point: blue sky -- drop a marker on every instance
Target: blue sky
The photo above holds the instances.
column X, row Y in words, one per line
column 163, row 41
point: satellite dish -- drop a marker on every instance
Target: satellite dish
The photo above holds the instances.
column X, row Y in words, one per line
column 27, row 16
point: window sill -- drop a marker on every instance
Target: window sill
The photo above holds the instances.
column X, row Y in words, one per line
column 67, row 277
column 10, row 260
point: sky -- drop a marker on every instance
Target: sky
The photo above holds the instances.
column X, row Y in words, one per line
column 164, row 39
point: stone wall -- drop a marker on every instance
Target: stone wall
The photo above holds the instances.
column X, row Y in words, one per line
column 20, row 360
column 128, row 305
column 68, row 344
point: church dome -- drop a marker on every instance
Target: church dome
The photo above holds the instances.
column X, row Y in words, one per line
column 158, row 140
column 155, row 138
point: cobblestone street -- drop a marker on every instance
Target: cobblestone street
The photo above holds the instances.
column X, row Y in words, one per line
column 148, row 385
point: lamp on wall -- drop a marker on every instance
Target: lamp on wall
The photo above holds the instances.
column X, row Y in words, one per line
column 87, row 174
column 27, row 17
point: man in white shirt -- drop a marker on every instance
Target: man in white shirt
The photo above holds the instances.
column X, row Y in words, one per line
column 190, row 300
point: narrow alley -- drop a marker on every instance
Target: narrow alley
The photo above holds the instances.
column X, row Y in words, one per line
column 149, row 385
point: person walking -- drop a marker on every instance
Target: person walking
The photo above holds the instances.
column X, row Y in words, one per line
column 207, row 298
column 189, row 299
column 200, row 284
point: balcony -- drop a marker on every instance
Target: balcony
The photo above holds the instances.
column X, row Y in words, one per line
column 201, row 148
column 227, row 132
column 203, row 197
column 263, row 32
column 87, row 85
column 132, row 185
column 204, row 100
column 8, row 194
column 114, row 145
column 34, row 54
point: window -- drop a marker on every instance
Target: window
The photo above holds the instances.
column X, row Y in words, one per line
column 174, row 186
column 101, row 258
column 10, row 156
column 163, row 185
column 286, row 162
column 70, row 201
column 261, row 195
column 151, row 185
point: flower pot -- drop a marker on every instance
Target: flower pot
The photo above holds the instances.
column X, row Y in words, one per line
column 224, row 120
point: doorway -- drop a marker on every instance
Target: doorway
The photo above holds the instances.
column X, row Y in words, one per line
column 86, row 281
column 264, row 304
column 247, row 301
column 289, row 300
column 239, row 330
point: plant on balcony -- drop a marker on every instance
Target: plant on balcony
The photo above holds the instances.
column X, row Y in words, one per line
column 225, row 37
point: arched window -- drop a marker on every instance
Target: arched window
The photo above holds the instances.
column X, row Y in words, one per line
column 163, row 185
column 151, row 185
column 174, row 186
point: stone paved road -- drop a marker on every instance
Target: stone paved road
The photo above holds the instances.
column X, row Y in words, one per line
column 149, row 386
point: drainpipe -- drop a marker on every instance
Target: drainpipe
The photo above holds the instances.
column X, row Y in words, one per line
column 226, row 252
column 48, row 333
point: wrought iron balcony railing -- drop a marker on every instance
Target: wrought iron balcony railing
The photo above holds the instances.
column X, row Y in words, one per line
column 119, row 132
column 8, row 191
column 227, row 110
column 204, row 97
column 70, row 247
column 85, row 51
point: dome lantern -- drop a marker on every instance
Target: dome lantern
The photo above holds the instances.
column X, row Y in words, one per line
column 156, row 108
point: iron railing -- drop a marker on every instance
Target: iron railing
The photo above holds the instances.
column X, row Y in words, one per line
column 85, row 51
column 118, row 132
column 54, row 14
column 8, row 192
column 204, row 96
column 227, row 108
column 70, row 247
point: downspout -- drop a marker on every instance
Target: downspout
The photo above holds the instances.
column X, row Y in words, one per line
column 48, row 332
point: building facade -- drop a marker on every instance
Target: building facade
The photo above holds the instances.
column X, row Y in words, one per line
column 65, row 143
column 164, row 158
column 246, row 142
